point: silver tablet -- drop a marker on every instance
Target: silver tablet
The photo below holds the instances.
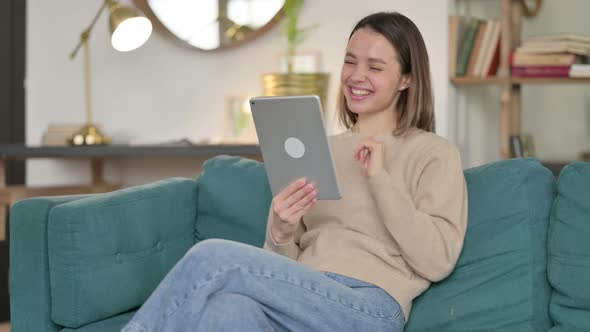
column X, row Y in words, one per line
column 293, row 142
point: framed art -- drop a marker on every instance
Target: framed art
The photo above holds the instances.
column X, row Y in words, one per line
column 238, row 123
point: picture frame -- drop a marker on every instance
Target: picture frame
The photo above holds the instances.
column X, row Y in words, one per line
column 238, row 122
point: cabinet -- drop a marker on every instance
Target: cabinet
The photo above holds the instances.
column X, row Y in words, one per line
column 510, row 87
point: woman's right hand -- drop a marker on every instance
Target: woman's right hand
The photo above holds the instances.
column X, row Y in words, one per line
column 290, row 205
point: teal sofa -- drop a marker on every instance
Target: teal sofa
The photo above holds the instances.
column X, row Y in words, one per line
column 85, row 263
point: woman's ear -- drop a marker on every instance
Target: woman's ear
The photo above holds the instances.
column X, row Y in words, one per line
column 405, row 82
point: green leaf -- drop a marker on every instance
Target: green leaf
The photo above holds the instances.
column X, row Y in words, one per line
column 294, row 35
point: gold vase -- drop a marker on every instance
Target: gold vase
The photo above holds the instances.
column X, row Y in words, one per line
column 297, row 84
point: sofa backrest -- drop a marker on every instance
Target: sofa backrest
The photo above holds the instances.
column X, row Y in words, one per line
column 234, row 200
column 500, row 281
column 569, row 250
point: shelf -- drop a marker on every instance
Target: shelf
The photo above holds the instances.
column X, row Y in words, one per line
column 475, row 80
column 549, row 80
column 519, row 80
column 510, row 88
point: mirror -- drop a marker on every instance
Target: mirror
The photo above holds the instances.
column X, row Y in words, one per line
column 215, row 24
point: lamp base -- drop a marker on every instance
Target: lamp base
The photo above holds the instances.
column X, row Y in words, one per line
column 89, row 135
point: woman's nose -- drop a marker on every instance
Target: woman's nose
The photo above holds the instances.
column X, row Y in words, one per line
column 358, row 75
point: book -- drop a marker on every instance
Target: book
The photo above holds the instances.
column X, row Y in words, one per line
column 549, row 59
column 59, row 134
column 492, row 49
column 486, row 46
column 466, row 45
column 457, row 24
column 580, row 71
column 495, row 64
column 581, row 67
column 477, row 52
column 541, row 71
column 557, row 47
column 561, row 37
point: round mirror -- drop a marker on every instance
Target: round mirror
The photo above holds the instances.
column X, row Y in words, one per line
column 215, row 24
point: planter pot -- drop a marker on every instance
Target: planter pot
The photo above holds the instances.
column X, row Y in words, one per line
column 297, row 84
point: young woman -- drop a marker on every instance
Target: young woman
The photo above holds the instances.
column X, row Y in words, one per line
column 357, row 263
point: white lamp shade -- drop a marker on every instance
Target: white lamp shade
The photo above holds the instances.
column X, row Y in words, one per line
column 131, row 33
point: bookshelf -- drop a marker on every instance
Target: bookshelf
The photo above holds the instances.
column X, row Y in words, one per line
column 511, row 14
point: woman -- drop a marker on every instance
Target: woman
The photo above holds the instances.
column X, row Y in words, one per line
column 357, row 263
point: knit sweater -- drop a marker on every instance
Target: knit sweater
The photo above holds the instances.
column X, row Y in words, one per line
column 401, row 229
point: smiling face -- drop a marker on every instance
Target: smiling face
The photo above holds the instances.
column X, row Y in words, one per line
column 371, row 78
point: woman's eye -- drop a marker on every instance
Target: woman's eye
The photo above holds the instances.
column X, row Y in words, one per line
column 349, row 62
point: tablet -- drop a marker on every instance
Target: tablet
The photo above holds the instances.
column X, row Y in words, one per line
column 293, row 142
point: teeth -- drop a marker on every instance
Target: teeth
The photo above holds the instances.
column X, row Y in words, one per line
column 360, row 92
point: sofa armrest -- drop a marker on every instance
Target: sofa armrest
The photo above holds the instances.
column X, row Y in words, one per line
column 29, row 268
column 108, row 252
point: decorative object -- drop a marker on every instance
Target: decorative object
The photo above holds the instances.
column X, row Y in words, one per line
column 529, row 9
column 522, row 146
column 528, row 145
column 129, row 30
column 294, row 82
column 516, row 147
column 239, row 124
column 213, row 24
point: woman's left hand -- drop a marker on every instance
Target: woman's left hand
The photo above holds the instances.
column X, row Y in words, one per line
column 371, row 154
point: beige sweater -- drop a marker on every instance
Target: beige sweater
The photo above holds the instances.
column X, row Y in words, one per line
column 400, row 229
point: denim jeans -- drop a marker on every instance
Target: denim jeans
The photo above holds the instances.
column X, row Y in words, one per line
column 222, row 285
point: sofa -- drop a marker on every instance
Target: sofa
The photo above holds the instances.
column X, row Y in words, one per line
column 87, row 262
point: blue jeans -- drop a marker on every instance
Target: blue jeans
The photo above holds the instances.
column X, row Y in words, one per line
column 222, row 285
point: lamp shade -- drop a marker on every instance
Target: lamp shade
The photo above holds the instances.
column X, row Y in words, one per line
column 129, row 28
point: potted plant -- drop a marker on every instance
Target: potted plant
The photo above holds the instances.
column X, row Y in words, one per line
column 293, row 82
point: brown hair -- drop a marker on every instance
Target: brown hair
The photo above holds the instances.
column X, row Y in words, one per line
column 415, row 106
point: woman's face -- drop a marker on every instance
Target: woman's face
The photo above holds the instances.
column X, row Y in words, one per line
column 371, row 78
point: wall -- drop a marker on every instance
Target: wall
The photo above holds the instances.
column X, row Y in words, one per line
column 163, row 92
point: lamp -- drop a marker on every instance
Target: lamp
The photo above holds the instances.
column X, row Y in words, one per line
column 129, row 30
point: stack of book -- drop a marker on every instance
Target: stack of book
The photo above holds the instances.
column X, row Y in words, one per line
column 59, row 134
column 474, row 46
column 563, row 55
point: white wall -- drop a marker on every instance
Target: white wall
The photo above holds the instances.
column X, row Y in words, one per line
column 165, row 92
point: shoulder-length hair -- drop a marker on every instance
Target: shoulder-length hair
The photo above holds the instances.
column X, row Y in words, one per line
column 415, row 105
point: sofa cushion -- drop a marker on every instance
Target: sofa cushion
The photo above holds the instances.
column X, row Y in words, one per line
column 108, row 252
column 113, row 324
column 569, row 250
column 234, row 200
column 500, row 281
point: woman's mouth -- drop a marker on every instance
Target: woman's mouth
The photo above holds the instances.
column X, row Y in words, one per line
column 359, row 94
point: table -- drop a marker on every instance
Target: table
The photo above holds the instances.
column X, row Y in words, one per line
column 96, row 155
